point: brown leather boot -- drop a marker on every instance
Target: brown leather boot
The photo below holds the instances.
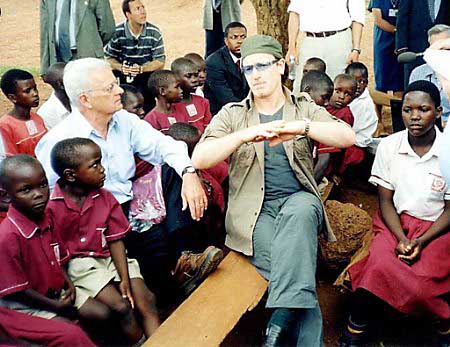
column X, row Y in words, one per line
column 193, row 268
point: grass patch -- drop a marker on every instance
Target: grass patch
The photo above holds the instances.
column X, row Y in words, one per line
column 31, row 69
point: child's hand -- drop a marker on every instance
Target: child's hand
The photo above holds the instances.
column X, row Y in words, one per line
column 125, row 290
column 69, row 292
column 403, row 247
column 414, row 249
column 66, row 309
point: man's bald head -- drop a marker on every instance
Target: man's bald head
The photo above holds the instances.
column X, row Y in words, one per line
column 54, row 75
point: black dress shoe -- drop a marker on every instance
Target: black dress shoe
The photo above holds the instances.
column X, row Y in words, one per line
column 274, row 336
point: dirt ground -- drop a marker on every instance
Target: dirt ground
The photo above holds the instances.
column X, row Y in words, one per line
column 180, row 23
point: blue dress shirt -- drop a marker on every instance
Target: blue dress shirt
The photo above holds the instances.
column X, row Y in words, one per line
column 127, row 135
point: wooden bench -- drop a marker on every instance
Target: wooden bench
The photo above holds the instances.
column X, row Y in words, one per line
column 214, row 308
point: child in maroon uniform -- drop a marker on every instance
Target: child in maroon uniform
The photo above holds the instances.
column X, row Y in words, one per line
column 192, row 109
column 200, row 63
column 165, row 87
column 21, row 129
column 344, row 92
column 32, row 281
column 91, row 224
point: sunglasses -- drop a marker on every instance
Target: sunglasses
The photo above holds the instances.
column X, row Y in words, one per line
column 248, row 69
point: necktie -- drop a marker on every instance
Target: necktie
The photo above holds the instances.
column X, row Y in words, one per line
column 431, row 10
column 216, row 4
column 64, row 52
column 238, row 64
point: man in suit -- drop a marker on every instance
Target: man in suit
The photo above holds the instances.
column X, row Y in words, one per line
column 73, row 29
column 217, row 14
column 414, row 19
column 224, row 80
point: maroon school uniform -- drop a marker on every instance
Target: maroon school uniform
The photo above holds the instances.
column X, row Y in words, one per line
column 352, row 155
column 343, row 113
column 30, row 256
column 160, row 121
column 86, row 231
column 45, row 332
column 195, row 113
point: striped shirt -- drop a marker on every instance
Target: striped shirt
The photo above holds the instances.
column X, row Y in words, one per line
column 124, row 46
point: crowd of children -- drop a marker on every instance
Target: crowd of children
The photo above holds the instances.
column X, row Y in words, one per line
column 70, row 253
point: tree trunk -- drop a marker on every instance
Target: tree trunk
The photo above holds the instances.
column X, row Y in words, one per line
column 272, row 19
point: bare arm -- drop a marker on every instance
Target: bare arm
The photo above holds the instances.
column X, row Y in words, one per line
column 389, row 213
column 439, row 227
column 119, row 258
column 152, row 66
column 115, row 65
column 382, row 23
column 211, row 152
column 357, row 29
column 293, row 31
column 32, row 298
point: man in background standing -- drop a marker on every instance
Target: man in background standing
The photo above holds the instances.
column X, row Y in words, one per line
column 217, row 14
column 73, row 29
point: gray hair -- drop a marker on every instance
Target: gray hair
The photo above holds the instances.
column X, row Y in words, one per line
column 437, row 29
column 77, row 76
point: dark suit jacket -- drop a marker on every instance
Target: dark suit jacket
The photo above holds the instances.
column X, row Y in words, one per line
column 224, row 82
column 413, row 22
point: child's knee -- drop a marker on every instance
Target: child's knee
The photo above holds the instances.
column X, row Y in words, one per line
column 122, row 309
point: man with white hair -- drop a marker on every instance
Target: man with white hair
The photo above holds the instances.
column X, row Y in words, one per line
column 97, row 114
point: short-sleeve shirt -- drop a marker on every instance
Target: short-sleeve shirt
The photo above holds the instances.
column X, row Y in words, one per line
column 328, row 15
column 418, row 185
column 124, row 46
column 343, row 113
column 30, row 256
column 86, row 231
column 20, row 136
column 196, row 113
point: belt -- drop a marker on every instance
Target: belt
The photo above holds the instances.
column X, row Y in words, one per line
column 324, row 33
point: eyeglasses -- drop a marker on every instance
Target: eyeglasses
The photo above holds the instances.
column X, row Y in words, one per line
column 108, row 89
column 248, row 69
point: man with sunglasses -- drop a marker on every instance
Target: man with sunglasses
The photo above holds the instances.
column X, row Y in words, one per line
column 275, row 212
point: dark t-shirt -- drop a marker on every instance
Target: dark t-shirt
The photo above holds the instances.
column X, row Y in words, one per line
column 279, row 179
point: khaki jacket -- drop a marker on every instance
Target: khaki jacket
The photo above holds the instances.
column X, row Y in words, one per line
column 246, row 169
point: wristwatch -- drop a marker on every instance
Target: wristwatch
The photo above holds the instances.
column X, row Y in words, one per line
column 188, row 169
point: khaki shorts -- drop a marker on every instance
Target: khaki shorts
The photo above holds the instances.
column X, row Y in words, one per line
column 22, row 308
column 91, row 275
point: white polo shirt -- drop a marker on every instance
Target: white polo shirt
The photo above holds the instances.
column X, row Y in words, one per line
column 418, row 185
column 328, row 15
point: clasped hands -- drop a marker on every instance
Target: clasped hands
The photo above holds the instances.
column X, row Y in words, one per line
column 409, row 251
column 275, row 132
column 131, row 70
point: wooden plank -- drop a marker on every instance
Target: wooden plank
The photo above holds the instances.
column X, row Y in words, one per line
column 214, row 308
